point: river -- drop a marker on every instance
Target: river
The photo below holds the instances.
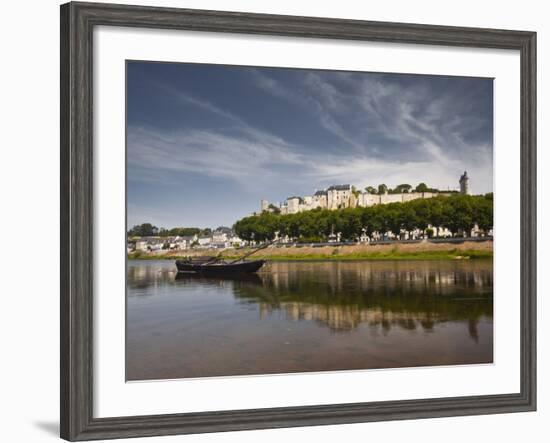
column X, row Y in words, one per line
column 307, row 316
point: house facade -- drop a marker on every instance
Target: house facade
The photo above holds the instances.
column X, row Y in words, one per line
column 220, row 238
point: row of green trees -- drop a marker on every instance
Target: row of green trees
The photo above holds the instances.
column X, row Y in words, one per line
column 403, row 188
column 457, row 213
column 147, row 230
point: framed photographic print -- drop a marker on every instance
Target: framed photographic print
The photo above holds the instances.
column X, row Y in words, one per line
column 273, row 221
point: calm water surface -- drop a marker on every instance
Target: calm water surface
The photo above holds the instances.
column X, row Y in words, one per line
column 308, row 316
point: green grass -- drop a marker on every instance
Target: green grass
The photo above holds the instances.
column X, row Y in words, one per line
column 387, row 255
column 393, row 254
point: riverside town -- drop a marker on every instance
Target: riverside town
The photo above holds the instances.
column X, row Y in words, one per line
column 340, row 215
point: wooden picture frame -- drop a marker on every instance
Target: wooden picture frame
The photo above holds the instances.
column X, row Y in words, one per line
column 77, row 23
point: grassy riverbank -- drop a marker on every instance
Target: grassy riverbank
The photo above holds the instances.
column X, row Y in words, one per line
column 400, row 251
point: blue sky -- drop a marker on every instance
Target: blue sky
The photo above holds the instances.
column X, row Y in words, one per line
column 206, row 142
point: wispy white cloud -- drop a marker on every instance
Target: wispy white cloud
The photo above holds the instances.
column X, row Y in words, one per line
column 314, row 103
column 267, row 165
column 204, row 152
column 392, row 125
column 232, row 118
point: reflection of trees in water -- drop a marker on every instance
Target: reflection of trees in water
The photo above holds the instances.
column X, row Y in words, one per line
column 441, row 277
column 147, row 275
column 407, row 295
column 344, row 295
column 346, row 318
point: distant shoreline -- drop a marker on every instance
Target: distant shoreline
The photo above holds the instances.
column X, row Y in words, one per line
column 398, row 251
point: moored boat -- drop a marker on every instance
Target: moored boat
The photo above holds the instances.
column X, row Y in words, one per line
column 218, row 266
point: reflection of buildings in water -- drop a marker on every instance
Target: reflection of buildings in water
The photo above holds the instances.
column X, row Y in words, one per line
column 382, row 295
column 439, row 277
column 337, row 277
column 143, row 276
column 344, row 295
column 346, row 318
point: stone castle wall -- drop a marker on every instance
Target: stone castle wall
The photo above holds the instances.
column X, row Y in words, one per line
column 344, row 196
column 295, row 205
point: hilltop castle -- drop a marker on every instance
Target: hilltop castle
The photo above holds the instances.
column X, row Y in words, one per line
column 346, row 196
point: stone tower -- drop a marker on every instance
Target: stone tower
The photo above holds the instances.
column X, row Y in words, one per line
column 264, row 205
column 464, row 186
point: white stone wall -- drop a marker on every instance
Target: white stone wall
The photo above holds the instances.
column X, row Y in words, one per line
column 293, row 205
column 369, row 199
column 307, row 204
column 365, row 199
column 391, row 198
column 338, row 199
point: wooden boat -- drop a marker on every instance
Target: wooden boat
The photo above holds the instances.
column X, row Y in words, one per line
column 218, row 266
column 201, row 260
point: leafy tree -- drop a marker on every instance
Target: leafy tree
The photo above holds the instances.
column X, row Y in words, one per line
column 400, row 189
column 393, row 219
column 184, row 232
column 383, row 214
column 422, row 187
column 382, row 188
column 293, row 226
column 143, row 230
column 370, row 190
column 349, row 224
column 409, row 219
column 324, row 222
column 483, row 212
column 438, row 216
column 405, row 188
column 459, row 214
column 422, row 211
column 368, row 220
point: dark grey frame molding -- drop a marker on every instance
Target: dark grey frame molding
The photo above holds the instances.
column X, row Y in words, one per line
column 77, row 24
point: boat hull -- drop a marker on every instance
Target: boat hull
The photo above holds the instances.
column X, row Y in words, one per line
column 219, row 268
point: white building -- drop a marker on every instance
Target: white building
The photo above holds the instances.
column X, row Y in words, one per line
column 340, row 196
column 149, row 243
column 319, row 199
column 235, row 241
column 293, row 204
column 204, row 241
